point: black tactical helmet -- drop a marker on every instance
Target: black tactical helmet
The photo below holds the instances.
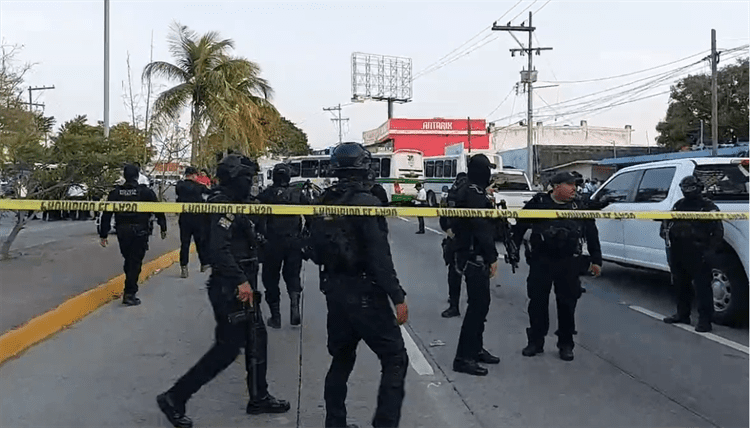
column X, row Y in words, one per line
column 282, row 173
column 691, row 186
column 233, row 166
column 350, row 157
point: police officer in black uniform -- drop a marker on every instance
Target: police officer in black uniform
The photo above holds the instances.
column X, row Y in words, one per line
column 133, row 230
column 449, row 252
column 232, row 291
column 283, row 246
column 476, row 257
column 556, row 258
column 191, row 225
column 691, row 247
column 358, row 280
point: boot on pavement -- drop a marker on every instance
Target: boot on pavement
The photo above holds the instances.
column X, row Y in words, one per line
column 451, row 312
column 130, row 300
column 471, row 367
column 295, row 318
column 703, row 326
column 275, row 320
column 487, row 358
column 566, row 353
column 183, row 272
column 205, row 267
column 534, row 346
column 267, row 404
column 173, row 410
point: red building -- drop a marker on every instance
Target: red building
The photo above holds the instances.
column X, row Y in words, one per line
column 430, row 136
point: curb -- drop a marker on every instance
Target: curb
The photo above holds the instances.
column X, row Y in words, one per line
column 75, row 309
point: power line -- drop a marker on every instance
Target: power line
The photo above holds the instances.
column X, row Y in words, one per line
column 545, row 4
column 502, row 102
column 521, row 13
column 428, row 68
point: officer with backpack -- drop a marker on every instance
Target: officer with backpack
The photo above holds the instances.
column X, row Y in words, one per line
column 476, row 258
column 133, row 229
column 358, row 280
column 449, row 253
column 283, row 246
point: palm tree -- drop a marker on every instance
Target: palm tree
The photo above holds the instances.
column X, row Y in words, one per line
column 225, row 94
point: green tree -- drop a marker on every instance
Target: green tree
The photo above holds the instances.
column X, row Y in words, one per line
column 225, row 94
column 690, row 103
column 286, row 139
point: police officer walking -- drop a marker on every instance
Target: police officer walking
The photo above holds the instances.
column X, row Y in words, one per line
column 691, row 246
column 358, row 279
column 449, row 252
column 232, row 291
column 133, row 230
column 282, row 252
column 477, row 259
column 191, row 225
column 556, row 258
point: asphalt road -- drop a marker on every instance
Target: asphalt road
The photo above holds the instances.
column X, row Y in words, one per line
column 630, row 369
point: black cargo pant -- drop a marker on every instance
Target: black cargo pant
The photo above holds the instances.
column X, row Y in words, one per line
column 355, row 316
column 544, row 272
column 229, row 338
column 282, row 256
column 133, row 242
column 454, row 284
column 690, row 267
column 192, row 226
column 471, row 341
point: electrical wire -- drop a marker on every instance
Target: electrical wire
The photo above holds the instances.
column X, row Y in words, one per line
column 527, row 8
column 501, row 102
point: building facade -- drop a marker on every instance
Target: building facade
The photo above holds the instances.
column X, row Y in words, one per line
column 513, row 137
column 430, row 136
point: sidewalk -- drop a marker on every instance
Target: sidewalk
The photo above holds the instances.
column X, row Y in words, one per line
column 68, row 262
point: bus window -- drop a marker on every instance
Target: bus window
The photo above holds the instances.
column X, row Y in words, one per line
column 325, row 164
column 269, row 175
column 429, row 169
column 438, row 168
column 455, row 166
column 375, row 166
column 295, row 169
column 385, row 167
column 309, row 169
column 448, row 169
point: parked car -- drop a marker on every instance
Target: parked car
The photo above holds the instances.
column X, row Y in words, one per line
column 655, row 187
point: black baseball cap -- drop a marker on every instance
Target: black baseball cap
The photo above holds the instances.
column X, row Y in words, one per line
column 190, row 170
column 565, row 177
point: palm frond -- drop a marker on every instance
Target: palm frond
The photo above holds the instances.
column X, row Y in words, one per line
column 167, row 70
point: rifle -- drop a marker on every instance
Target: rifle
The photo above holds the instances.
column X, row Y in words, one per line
column 251, row 317
column 512, row 256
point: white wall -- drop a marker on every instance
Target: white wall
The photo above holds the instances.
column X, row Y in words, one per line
column 514, row 137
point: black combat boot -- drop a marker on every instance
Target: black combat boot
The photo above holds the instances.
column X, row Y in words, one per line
column 566, row 352
column 452, row 311
column 174, row 410
column 130, row 300
column 275, row 320
column 703, row 326
column 295, row 318
column 267, row 404
column 487, row 358
column 471, row 367
column 534, row 346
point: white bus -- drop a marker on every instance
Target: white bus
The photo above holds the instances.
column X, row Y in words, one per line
column 440, row 171
column 397, row 172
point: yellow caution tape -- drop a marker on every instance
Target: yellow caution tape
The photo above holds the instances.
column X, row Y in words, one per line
column 266, row 209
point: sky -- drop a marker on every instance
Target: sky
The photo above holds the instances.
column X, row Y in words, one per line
column 304, row 50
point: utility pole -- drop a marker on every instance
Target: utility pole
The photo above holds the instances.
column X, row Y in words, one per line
column 31, row 102
column 106, row 68
column 528, row 77
column 714, row 97
column 468, row 124
column 338, row 119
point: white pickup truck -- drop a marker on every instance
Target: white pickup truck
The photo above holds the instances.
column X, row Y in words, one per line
column 511, row 186
column 655, row 187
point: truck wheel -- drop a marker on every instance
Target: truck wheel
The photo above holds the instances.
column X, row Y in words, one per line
column 431, row 199
column 730, row 290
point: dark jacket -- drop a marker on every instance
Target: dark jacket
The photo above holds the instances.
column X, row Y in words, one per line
column 190, row 191
column 131, row 191
column 232, row 241
column 558, row 238
column 371, row 236
column 282, row 225
column 474, row 236
column 698, row 233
